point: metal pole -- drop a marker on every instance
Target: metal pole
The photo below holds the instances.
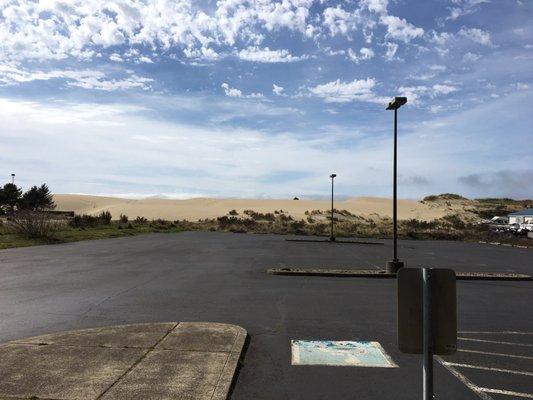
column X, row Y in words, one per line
column 13, row 178
column 427, row 336
column 394, row 200
column 332, row 237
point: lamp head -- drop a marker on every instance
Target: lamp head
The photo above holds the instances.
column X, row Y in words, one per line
column 333, row 175
column 397, row 103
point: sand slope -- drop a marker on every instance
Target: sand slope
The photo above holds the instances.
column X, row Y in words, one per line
column 201, row 208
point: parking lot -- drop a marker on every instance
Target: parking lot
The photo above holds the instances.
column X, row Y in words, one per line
column 220, row 277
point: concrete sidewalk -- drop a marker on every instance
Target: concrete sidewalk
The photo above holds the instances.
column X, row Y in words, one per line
column 187, row 360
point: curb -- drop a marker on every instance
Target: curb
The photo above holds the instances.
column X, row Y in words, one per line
column 382, row 274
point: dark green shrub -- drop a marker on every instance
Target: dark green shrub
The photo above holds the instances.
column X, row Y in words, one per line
column 104, row 217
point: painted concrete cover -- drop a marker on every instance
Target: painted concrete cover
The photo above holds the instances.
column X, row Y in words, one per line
column 340, row 353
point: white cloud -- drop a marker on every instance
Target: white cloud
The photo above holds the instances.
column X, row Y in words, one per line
column 399, row 28
column 476, row 35
column 116, row 57
column 443, row 89
column 339, row 21
column 81, row 28
column 87, row 79
column 278, row 90
column 463, row 7
column 392, row 48
column 471, row 57
column 365, row 53
column 231, row 92
column 378, row 6
column 340, row 92
column 266, row 55
column 144, row 59
column 440, row 38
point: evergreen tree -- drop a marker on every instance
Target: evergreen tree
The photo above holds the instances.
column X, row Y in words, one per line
column 10, row 197
column 38, row 199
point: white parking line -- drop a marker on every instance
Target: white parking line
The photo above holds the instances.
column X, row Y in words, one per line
column 509, row 371
column 494, row 341
column 507, row 393
column 495, row 354
column 476, row 389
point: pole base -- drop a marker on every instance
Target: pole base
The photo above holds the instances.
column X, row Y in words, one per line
column 392, row 267
column 332, row 239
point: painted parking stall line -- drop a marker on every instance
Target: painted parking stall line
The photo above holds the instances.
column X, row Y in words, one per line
column 340, row 354
column 460, row 369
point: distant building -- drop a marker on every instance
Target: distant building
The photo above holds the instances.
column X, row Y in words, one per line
column 522, row 217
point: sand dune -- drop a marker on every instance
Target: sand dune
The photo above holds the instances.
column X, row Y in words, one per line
column 201, row 208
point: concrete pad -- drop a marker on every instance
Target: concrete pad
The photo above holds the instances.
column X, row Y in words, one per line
column 135, row 335
column 201, row 336
column 124, row 362
column 61, row 372
column 170, row 374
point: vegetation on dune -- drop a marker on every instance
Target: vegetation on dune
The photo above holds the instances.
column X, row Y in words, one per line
column 28, row 220
column 444, row 196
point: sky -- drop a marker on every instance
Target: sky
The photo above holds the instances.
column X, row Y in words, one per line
column 256, row 98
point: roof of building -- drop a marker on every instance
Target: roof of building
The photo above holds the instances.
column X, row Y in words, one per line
column 525, row 211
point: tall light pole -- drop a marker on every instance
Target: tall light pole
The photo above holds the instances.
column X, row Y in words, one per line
column 13, row 178
column 332, row 176
column 394, row 265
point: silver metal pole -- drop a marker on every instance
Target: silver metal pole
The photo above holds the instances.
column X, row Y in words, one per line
column 427, row 336
column 395, row 185
column 332, row 236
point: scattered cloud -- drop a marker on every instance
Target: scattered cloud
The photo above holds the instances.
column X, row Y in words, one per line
column 365, row 53
column 400, row 29
column 265, row 55
column 87, row 79
column 277, row 90
column 471, row 57
column 476, row 35
column 392, row 48
column 463, row 7
column 341, row 92
column 339, row 21
column 233, row 92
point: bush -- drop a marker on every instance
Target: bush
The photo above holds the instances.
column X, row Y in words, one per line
column 32, row 224
column 105, row 217
column 84, row 221
column 123, row 219
column 233, row 212
column 140, row 220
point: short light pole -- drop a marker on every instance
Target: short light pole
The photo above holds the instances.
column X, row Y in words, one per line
column 332, row 176
column 394, row 265
column 13, row 179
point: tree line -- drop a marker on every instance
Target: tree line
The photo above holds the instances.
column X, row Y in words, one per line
column 36, row 198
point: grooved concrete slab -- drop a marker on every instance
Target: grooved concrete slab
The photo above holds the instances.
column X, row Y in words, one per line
column 124, row 362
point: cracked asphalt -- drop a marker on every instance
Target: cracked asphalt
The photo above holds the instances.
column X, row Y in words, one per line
column 220, row 277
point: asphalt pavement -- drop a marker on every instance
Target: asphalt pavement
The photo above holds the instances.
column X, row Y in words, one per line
column 221, row 277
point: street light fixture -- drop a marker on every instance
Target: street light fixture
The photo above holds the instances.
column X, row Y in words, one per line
column 13, row 178
column 394, row 265
column 332, row 176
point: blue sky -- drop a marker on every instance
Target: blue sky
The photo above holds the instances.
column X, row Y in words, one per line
column 240, row 98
